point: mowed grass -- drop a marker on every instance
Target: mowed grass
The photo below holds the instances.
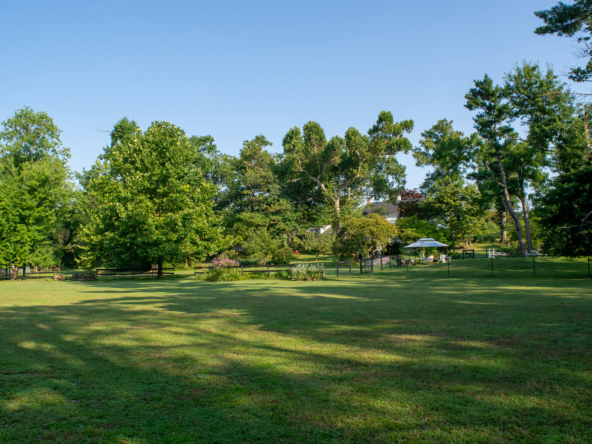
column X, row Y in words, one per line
column 363, row 359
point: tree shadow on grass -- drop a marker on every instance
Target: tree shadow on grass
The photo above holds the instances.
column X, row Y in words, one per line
column 286, row 363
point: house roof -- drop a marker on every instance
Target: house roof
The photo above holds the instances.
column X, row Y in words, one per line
column 389, row 207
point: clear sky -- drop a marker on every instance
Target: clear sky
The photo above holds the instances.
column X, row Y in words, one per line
column 236, row 69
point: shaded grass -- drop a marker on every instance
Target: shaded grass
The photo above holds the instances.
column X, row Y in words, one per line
column 361, row 359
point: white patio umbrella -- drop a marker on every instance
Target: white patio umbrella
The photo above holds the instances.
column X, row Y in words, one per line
column 426, row 242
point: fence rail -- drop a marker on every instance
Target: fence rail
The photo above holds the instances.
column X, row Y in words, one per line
column 127, row 272
column 506, row 267
column 22, row 273
column 408, row 267
column 40, row 274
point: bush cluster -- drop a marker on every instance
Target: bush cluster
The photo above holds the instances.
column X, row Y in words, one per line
column 304, row 272
column 223, row 270
column 281, row 256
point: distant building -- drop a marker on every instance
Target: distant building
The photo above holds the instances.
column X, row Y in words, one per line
column 390, row 210
column 319, row 230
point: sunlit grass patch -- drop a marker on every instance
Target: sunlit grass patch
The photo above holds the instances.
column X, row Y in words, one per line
column 374, row 359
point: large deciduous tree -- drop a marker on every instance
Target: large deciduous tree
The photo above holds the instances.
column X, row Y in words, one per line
column 452, row 201
column 36, row 189
column 362, row 237
column 253, row 199
column 410, row 203
column 349, row 168
column 446, row 150
column 148, row 201
column 456, row 206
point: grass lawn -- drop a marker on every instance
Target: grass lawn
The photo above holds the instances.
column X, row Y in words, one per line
column 383, row 358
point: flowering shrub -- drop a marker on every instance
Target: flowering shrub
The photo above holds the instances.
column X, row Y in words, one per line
column 224, row 262
column 316, row 271
column 305, row 272
column 223, row 270
column 299, row 273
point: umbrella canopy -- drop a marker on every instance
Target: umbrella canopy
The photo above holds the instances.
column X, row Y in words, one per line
column 426, row 243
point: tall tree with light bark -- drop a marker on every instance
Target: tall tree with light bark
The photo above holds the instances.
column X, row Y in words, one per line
column 493, row 124
column 544, row 108
column 350, row 168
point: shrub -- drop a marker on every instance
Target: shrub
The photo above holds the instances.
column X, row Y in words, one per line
column 258, row 275
column 316, row 271
column 305, row 272
column 258, row 242
column 299, row 273
column 319, row 243
column 281, row 256
column 230, row 254
column 223, row 270
column 222, row 275
column 284, row 275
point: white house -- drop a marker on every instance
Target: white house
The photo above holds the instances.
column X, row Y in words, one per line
column 319, row 230
column 392, row 211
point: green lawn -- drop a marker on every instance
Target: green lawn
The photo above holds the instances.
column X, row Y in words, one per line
column 383, row 358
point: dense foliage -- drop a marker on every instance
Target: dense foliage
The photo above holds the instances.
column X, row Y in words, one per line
column 36, row 191
column 365, row 237
column 347, row 169
column 566, row 209
column 148, row 202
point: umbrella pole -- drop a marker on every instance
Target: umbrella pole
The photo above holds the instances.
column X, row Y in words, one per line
column 448, row 260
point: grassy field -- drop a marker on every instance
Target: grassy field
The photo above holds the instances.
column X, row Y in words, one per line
column 381, row 358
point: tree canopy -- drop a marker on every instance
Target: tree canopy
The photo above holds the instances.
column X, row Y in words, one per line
column 148, row 202
column 568, row 21
column 349, row 168
column 36, row 189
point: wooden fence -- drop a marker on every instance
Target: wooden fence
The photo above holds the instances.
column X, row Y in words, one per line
column 22, row 273
column 127, row 272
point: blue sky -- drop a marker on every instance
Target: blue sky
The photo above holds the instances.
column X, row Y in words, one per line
column 236, row 69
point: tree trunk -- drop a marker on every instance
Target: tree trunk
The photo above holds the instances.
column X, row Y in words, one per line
column 504, row 236
column 526, row 223
column 159, row 275
column 336, row 224
column 509, row 209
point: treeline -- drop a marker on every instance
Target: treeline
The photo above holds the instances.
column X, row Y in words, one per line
column 522, row 179
column 159, row 196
